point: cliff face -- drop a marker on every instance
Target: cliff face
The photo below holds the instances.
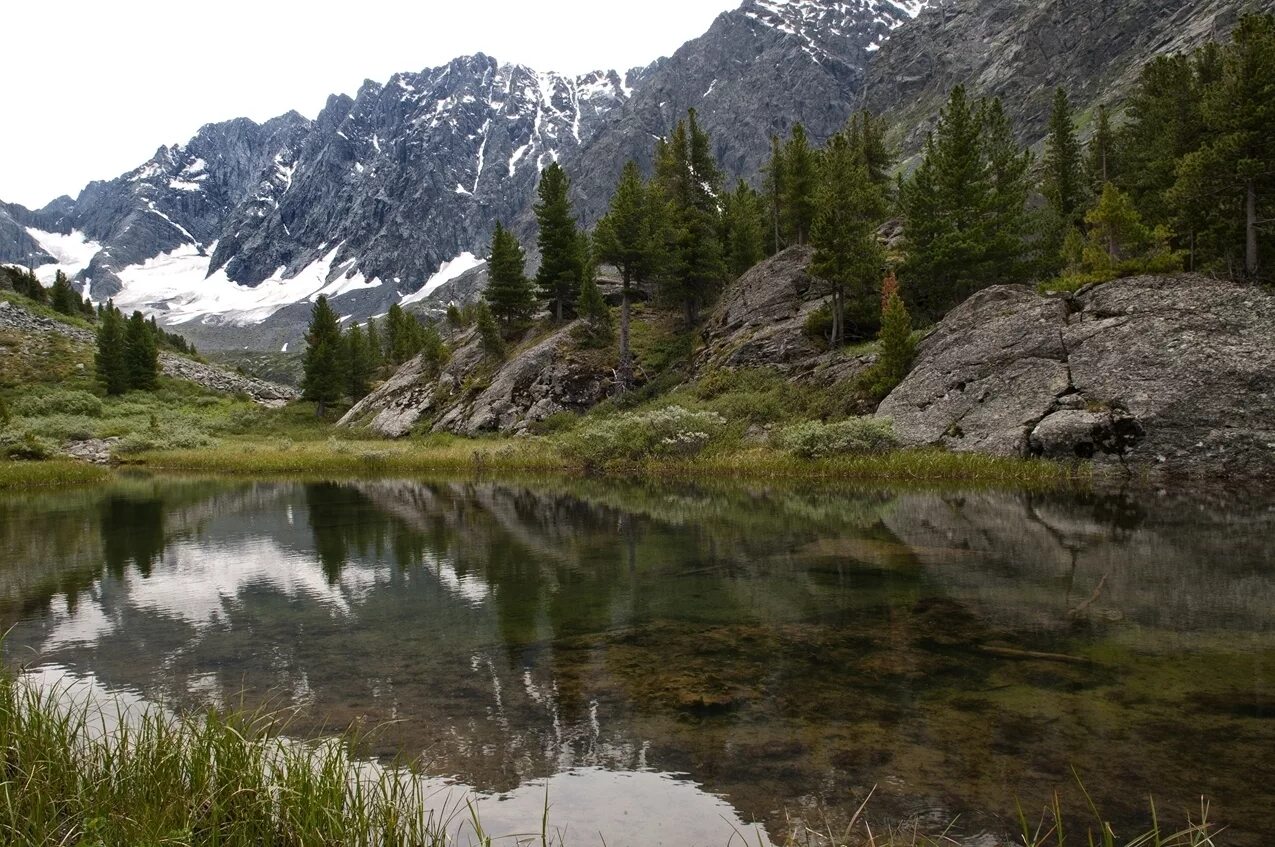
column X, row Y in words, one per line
column 1153, row 373
column 1021, row 50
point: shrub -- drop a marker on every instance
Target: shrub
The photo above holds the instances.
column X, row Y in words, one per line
column 25, row 444
column 60, row 401
column 670, row 431
column 63, row 427
column 177, row 436
column 815, row 440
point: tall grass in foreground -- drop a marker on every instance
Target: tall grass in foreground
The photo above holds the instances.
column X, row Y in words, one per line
column 14, row 474
column 77, row 773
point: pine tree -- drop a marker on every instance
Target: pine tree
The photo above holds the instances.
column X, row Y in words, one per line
column 897, row 347
column 62, row 297
column 627, row 238
column 1103, row 163
column 1120, row 243
column 111, row 361
column 1063, row 182
column 488, row 332
column 375, row 350
column 1007, row 225
column 558, row 278
column 775, row 188
column 800, row 168
column 325, row 379
column 743, row 228
column 866, row 133
column 141, row 354
column 358, row 363
column 848, row 209
column 1239, row 115
column 690, row 183
column 509, row 293
column 594, row 311
column 434, row 352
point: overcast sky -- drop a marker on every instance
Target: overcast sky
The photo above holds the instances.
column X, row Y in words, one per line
column 91, row 88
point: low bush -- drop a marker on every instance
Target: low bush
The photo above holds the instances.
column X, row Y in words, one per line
column 175, row 436
column 634, row 436
column 815, row 440
column 63, row 427
column 60, row 402
column 23, row 444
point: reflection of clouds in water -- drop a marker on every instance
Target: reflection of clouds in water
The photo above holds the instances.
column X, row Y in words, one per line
column 470, row 588
column 624, row 807
column 201, row 582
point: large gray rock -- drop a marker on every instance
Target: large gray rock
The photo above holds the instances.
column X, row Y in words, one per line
column 1170, row 373
column 760, row 322
column 471, row 395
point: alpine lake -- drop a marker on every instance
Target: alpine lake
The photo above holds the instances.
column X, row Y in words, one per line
column 690, row 664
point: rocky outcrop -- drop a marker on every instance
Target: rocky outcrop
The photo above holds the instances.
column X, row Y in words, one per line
column 1021, row 52
column 760, row 322
column 1173, row 374
column 471, row 396
column 213, row 378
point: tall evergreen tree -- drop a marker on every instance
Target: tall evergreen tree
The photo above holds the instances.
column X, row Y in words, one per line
column 488, row 332
column 743, row 229
column 775, row 188
column 848, row 209
column 1063, row 179
column 627, row 237
column 800, row 168
column 867, row 135
column 1102, row 163
column 1239, row 114
column 1007, row 224
column 62, row 297
column 509, row 293
column 689, row 179
column 325, row 380
column 358, row 363
column 141, row 353
column 111, row 361
column 375, row 350
column 558, row 278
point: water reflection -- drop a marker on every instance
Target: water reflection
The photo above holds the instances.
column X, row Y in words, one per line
column 787, row 650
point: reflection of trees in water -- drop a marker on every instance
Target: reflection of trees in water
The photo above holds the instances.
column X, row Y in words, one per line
column 132, row 532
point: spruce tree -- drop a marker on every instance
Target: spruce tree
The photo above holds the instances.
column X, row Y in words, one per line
column 800, row 169
column 1102, row 165
column 488, row 332
column 848, row 209
column 866, row 133
column 897, row 347
column 111, row 361
column 434, row 352
column 775, row 187
column 325, row 380
column 509, row 293
column 1063, row 180
column 627, row 238
column 593, row 309
column 1006, row 227
column 358, row 363
column 141, row 353
column 62, row 297
column 375, row 350
column 743, row 227
column 558, row 277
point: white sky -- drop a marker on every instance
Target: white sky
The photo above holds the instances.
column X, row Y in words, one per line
column 92, row 88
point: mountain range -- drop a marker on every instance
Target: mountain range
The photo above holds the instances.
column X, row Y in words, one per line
column 390, row 195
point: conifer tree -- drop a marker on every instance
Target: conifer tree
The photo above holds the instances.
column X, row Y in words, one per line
column 627, row 237
column 509, row 293
column 111, row 360
column 690, row 183
column 897, row 347
column 325, row 380
column 558, row 278
column 488, row 332
column 375, row 350
column 358, row 363
column 800, row 168
column 775, row 188
column 141, row 353
column 1007, row 224
column 1063, row 182
column 1239, row 115
column 594, row 311
column 62, row 297
column 848, row 209
column 742, row 229
column 866, row 133
column 1103, row 163
column 434, row 352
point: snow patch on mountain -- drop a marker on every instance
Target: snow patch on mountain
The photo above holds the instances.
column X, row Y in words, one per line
column 72, row 251
column 178, row 288
column 448, row 271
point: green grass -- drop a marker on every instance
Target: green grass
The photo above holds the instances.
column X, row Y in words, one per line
column 84, row 772
column 56, row 472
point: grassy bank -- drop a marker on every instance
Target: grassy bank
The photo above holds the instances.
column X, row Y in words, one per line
column 58, row 472
column 79, row 772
